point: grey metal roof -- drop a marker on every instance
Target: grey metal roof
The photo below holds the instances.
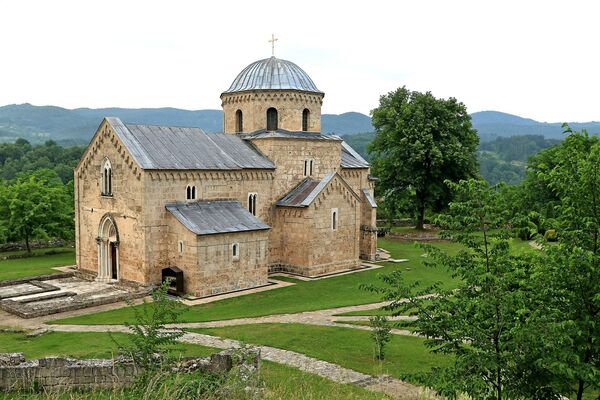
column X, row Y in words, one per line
column 370, row 198
column 272, row 74
column 351, row 159
column 304, row 194
column 213, row 217
column 169, row 147
column 285, row 134
column 298, row 194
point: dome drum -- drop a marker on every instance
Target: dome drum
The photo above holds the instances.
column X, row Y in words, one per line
column 272, row 84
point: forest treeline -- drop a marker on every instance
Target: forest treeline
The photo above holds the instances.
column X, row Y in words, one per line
column 501, row 160
column 36, row 191
column 23, row 165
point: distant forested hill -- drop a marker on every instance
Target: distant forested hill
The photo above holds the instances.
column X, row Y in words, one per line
column 40, row 123
column 493, row 124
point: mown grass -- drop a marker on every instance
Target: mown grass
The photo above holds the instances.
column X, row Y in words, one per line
column 303, row 296
column 518, row 247
column 279, row 381
column 36, row 265
column 350, row 348
column 79, row 345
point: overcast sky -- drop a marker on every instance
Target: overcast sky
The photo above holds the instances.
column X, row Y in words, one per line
column 537, row 59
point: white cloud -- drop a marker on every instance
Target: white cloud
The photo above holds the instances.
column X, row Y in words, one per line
column 536, row 59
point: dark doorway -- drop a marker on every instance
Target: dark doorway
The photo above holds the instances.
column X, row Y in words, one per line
column 113, row 261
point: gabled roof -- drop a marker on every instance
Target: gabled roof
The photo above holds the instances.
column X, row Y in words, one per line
column 169, row 147
column 214, row 217
column 308, row 190
column 298, row 195
column 351, row 159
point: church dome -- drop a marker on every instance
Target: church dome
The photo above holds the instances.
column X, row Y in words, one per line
column 272, row 74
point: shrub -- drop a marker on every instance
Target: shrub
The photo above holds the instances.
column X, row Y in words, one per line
column 151, row 341
column 550, row 235
column 380, row 334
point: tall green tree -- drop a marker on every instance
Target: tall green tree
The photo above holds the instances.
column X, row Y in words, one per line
column 421, row 141
column 36, row 205
column 483, row 322
column 568, row 279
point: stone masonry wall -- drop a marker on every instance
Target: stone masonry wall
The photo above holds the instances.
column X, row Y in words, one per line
column 289, row 156
column 368, row 230
column 309, row 244
column 208, row 264
column 254, row 104
column 163, row 187
column 59, row 373
column 125, row 205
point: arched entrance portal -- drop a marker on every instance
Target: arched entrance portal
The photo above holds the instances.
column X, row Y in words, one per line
column 108, row 250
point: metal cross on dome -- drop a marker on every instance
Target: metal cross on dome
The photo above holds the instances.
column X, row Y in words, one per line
column 272, row 41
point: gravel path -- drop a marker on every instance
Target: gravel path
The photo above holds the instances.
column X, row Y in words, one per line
column 394, row 388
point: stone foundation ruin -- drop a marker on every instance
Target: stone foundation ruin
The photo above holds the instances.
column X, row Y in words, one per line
column 60, row 373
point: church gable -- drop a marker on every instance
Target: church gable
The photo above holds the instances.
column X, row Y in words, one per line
column 97, row 152
column 312, row 192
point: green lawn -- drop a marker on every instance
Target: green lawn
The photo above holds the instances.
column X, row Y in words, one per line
column 393, row 324
column 77, row 345
column 351, row 348
column 518, row 246
column 281, row 382
column 37, row 265
column 304, row 296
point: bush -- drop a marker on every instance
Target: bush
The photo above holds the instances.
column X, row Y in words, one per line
column 528, row 232
column 380, row 334
column 550, row 235
column 151, row 341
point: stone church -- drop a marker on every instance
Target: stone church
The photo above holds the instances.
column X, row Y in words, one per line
column 270, row 194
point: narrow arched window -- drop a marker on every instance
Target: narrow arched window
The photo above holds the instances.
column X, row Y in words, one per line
column 190, row 192
column 334, row 218
column 106, row 181
column 239, row 121
column 252, row 203
column 271, row 119
column 305, row 117
column 235, row 251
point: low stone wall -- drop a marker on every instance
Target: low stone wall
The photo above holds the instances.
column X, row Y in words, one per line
column 60, row 373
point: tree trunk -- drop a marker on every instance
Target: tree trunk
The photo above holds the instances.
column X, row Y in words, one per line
column 421, row 217
column 499, row 384
column 580, row 390
column 27, row 244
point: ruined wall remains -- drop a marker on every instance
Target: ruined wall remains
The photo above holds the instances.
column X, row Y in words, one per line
column 60, row 373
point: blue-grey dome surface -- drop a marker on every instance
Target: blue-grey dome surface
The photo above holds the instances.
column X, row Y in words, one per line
column 272, row 73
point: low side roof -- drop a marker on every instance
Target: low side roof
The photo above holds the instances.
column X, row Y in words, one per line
column 370, row 198
column 214, row 217
column 297, row 196
column 351, row 159
column 308, row 190
column 169, row 147
column 285, row 134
